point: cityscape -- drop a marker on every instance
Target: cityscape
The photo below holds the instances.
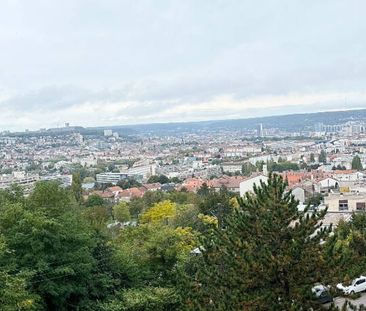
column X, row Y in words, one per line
column 322, row 166
column 314, row 160
column 182, row 155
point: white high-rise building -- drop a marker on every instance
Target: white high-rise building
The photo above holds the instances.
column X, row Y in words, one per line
column 260, row 130
column 108, row 132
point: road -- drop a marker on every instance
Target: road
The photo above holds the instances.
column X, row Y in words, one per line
column 339, row 301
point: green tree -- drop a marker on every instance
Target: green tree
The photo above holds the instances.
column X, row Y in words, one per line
column 356, row 163
column 13, row 194
column 248, row 168
column 149, row 254
column 146, row 298
column 346, row 249
column 175, row 180
column 76, row 187
column 14, row 294
column 186, row 216
column 323, row 157
column 97, row 216
column 259, row 165
column 162, row 179
column 121, row 212
column 267, row 258
column 137, row 206
column 312, row 157
column 88, row 180
column 128, row 183
column 315, row 200
column 152, row 197
column 204, row 190
column 217, row 204
column 52, row 241
column 94, row 200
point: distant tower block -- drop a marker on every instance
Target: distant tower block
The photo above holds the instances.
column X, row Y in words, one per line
column 67, row 124
column 260, row 130
column 265, row 170
column 108, row 132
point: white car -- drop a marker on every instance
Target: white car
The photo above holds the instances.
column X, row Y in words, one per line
column 358, row 285
column 321, row 293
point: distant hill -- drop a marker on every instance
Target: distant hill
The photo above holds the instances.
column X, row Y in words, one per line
column 293, row 122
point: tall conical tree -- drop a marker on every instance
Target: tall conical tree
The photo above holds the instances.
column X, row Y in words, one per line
column 76, row 187
column 323, row 157
column 267, row 257
column 356, row 163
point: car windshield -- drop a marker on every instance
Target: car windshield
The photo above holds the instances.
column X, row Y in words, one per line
column 323, row 294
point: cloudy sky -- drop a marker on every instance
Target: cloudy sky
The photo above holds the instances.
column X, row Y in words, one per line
column 111, row 62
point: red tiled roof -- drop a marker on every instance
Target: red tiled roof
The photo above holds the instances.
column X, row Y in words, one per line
column 152, row 186
column 131, row 193
column 103, row 194
column 344, row 171
column 114, row 189
column 226, row 181
column 193, row 184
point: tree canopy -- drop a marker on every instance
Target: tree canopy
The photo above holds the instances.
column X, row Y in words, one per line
column 267, row 257
column 356, row 163
column 323, row 157
column 208, row 250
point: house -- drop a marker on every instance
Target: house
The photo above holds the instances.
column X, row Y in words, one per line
column 348, row 175
column 168, row 187
column 152, row 187
column 345, row 202
column 106, row 195
column 248, row 184
column 299, row 194
column 114, row 189
column 332, row 219
column 232, row 183
column 294, row 177
column 193, row 184
column 232, row 167
column 131, row 193
column 326, row 184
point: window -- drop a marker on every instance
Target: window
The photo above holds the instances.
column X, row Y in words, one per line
column 360, row 206
column 360, row 282
column 343, row 205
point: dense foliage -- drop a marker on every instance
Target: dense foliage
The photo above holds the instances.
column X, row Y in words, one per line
column 169, row 250
column 323, row 157
column 356, row 163
column 267, row 257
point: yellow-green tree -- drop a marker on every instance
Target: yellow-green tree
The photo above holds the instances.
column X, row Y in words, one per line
column 159, row 213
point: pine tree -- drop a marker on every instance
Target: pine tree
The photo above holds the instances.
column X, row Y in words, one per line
column 323, row 157
column 267, row 257
column 346, row 250
column 356, row 163
column 248, row 168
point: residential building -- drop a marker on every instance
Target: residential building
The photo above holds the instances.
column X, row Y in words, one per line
column 110, row 178
column 345, row 202
column 248, row 184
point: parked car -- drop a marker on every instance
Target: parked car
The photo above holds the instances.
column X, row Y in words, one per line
column 358, row 285
column 321, row 293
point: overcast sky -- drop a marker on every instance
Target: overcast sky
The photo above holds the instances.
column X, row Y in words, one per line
column 111, row 62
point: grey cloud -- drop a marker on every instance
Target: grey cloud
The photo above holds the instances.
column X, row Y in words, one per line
column 160, row 55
